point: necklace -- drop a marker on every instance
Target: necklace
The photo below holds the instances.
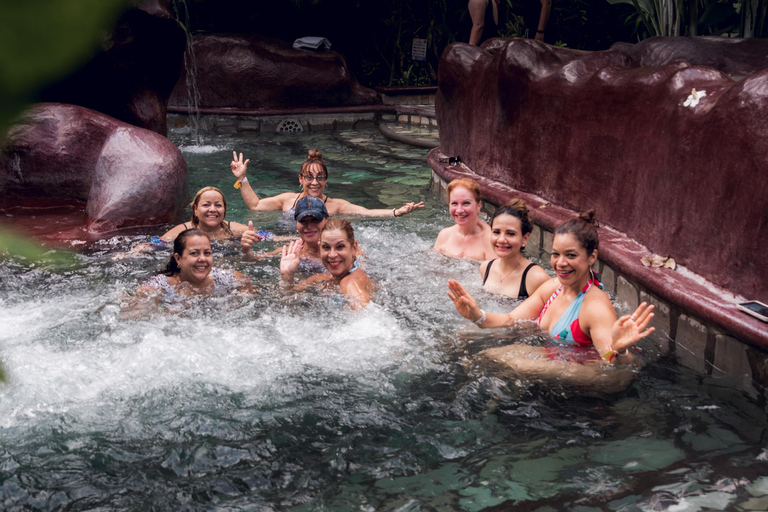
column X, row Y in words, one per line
column 510, row 272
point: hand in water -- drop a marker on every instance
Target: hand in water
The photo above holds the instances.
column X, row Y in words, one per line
column 629, row 329
column 408, row 208
column 238, row 166
column 289, row 262
column 463, row 301
column 249, row 238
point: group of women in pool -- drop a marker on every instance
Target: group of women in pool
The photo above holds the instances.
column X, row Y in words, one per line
column 571, row 307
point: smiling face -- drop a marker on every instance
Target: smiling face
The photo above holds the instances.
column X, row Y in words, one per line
column 506, row 235
column 195, row 261
column 309, row 229
column 313, row 178
column 463, row 206
column 570, row 260
column 337, row 253
column 210, row 210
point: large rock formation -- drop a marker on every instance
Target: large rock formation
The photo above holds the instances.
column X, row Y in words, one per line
column 119, row 174
column 736, row 57
column 595, row 130
column 253, row 72
column 132, row 76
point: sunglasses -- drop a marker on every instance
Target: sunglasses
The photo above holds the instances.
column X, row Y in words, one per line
column 310, row 178
column 453, row 160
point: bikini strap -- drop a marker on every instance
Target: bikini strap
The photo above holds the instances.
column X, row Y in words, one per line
column 523, row 292
column 296, row 201
column 487, row 271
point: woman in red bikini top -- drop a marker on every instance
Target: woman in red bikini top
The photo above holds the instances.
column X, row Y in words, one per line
column 572, row 308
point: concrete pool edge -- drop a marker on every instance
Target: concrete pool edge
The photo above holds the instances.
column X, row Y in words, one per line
column 705, row 332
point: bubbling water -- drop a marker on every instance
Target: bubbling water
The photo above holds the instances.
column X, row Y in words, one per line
column 290, row 400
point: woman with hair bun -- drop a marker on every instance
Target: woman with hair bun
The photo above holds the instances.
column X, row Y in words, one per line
column 511, row 274
column 312, row 178
column 573, row 309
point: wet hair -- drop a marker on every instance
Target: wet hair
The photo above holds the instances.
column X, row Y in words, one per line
column 179, row 245
column 516, row 208
column 583, row 228
column 468, row 184
column 314, row 160
column 195, row 221
column 342, row 225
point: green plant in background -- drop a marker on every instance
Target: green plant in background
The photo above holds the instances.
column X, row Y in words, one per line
column 514, row 26
column 744, row 18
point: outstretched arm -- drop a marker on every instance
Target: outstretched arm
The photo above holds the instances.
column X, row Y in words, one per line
column 354, row 209
column 467, row 307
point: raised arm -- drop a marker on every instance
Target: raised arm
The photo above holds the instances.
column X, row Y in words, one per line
column 239, row 169
column 612, row 337
column 354, row 209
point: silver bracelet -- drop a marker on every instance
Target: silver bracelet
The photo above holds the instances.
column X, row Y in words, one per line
column 394, row 212
column 244, row 179
column 480, row 320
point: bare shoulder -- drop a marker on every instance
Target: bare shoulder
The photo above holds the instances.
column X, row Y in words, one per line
column 444, row 235
column 547, row 288
column 172, row 233
column 537, row 276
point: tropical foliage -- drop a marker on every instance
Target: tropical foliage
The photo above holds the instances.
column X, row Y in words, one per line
column 742, row 18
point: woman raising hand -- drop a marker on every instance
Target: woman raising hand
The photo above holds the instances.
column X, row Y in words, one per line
column 313, row 177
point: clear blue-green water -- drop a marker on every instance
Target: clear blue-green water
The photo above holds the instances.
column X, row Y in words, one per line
column 288, row 402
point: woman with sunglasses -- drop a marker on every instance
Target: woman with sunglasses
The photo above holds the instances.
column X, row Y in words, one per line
column 312, row 178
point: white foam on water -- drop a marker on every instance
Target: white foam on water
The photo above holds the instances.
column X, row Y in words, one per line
column 202, row 149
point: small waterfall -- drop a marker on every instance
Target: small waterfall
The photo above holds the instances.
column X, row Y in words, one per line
column 181, row 11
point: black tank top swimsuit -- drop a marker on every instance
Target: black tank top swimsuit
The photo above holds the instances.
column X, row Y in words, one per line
column 523, row 292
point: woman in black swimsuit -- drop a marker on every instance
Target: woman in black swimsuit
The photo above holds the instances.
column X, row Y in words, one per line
column 511, row 274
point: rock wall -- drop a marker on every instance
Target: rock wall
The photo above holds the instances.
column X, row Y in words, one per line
column 133, row 74
column 123, row 175
column 254, row 72
column 599, row 130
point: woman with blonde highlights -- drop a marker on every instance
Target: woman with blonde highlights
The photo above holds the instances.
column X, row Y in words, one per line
column 339, row 253
column 209, row 207
column 313, row 177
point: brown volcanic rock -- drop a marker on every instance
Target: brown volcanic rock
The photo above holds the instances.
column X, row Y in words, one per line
column 731, row 56
column 592, row 130
column 251, row 72
column 133, row 75
column 122, row 175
